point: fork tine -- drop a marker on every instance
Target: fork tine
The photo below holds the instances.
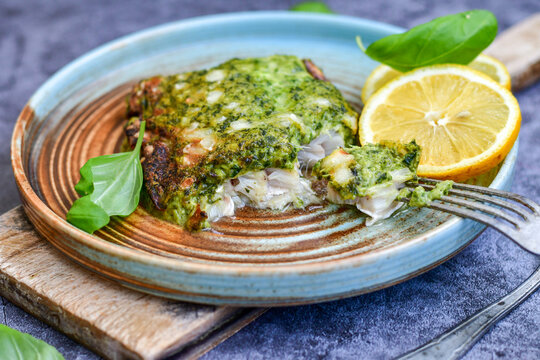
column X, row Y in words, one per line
column 471, row 214
column 485, row 198
column 489, row 191
column 481, row 207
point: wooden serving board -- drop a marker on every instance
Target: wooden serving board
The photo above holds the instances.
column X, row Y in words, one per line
column 519, row 49
column 119, row 323
column 113, row 321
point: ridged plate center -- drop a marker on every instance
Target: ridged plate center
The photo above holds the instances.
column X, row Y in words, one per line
column 251, row 236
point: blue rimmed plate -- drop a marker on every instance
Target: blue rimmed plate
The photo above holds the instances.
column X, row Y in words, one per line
column 257, row 257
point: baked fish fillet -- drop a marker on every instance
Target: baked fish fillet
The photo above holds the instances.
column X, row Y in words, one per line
column 241, row 133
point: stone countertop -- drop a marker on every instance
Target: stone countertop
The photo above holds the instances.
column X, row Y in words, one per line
column 39, row 37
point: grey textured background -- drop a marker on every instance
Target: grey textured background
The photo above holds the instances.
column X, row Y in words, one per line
column 39, row 37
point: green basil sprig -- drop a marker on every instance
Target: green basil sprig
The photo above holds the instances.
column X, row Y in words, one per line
column 16, row 345
column 456, row 39
column 110, row 185
column 312, row 6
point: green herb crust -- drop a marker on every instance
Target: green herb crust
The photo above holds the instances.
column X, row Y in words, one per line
column 419, row 197
column 217, row 124
column 356, row 171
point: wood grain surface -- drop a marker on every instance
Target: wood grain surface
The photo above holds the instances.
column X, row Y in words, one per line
column 113, row 321
column 519, row 49
column 120, row 323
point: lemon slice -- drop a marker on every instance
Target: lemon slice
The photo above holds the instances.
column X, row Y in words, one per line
column 492, row 68
column 464, row 121
column 381, row 75
column 483, row 63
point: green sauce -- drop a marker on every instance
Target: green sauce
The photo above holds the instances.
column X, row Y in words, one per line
column 419, row 197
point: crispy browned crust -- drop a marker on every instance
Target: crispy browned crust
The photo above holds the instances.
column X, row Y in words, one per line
column 158, row 172
column 147, row 90
column 196, row 219
column 314, row 70
column 132, row 133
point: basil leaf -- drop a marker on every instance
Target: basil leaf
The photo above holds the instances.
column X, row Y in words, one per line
column 86, row 215
column 110, row 185
column 85, row 186
column 312, row 6
column 455, row 39
column 16, row 345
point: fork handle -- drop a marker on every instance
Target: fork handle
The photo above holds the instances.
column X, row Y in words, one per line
column 457, row 341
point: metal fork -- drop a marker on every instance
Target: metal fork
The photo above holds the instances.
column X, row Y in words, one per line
column 478, row 203
column 524, row 229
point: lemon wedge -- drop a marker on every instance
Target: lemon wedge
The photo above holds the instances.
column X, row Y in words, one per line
column 483, row 63
column 465, row 122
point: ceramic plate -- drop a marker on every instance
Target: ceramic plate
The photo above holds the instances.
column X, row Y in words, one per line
column 258, row 257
